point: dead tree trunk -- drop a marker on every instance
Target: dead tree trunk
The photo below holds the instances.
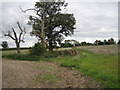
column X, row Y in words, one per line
column 18, row 48
column 15, row 38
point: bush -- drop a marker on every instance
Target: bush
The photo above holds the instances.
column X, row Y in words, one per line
column 37, row 49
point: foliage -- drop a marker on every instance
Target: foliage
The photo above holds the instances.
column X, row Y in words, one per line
column 66, row 45
column 56, row 23
column 37, row 49
column 111, row 41
column 4, row 44
column 105, row 42
column 70, row 43
column 85, row 44
column 118, row 42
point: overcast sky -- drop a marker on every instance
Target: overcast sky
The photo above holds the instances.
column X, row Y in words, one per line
column 94, row 20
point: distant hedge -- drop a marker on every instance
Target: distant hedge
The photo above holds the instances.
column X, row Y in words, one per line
column 14, row 48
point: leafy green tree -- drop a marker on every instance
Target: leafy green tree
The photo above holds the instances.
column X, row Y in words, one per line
column 83, row 43
column 4, row 44
column 66, row 45
column 105, row 42
column 88, row 44
column 67, row 41
column 100, row 42
column 75, row 42
column 51, row 24
column 96, row 42
column 112, row 41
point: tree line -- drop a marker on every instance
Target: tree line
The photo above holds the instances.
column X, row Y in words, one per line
column 72, row 43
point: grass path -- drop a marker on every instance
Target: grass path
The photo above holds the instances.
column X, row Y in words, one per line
column 31, row 74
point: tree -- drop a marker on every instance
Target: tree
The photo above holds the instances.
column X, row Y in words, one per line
column 50, row 24
column 83, row 43
column 105, row 42
column 76, row 43
column 112, row 41
column 118, row 42
column 96, row 42
column 14, row 37
column 4, row 44
column 67, row 41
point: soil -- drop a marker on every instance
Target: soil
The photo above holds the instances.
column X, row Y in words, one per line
column 29, row 74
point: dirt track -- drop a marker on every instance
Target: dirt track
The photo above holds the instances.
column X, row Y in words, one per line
column 23, row 74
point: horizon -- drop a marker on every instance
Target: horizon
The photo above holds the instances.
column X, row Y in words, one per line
column 103, row 15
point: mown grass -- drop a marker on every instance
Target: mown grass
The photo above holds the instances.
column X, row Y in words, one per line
column 102, row 67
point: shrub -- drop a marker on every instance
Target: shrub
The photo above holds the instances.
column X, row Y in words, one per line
column 4, row 44
column 37, row 49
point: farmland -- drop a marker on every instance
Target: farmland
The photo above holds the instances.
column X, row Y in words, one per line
column 93, row 62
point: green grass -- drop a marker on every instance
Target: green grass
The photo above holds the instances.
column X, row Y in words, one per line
column 102, row 67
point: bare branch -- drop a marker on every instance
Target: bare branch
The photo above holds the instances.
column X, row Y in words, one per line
column 26, row 9
column 19, row 26
column 20, row 36
column 15, row 34
column 23, row 37
column 9, row 36
column 22, row 32
column 22, row 41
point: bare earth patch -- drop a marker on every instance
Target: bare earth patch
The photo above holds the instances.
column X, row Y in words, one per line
column 30, row 74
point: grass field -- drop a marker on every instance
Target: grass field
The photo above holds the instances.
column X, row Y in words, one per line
column 99, row 62
column 6, row 52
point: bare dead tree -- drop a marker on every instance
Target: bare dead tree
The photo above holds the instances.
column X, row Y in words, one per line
column 18, row 39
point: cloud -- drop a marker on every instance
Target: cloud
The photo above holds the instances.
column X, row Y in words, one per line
column 94, row 20
column 11, row 13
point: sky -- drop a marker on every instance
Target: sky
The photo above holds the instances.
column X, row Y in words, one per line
column 94, row 20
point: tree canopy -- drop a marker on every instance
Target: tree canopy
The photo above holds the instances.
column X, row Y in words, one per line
column 51, row 24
